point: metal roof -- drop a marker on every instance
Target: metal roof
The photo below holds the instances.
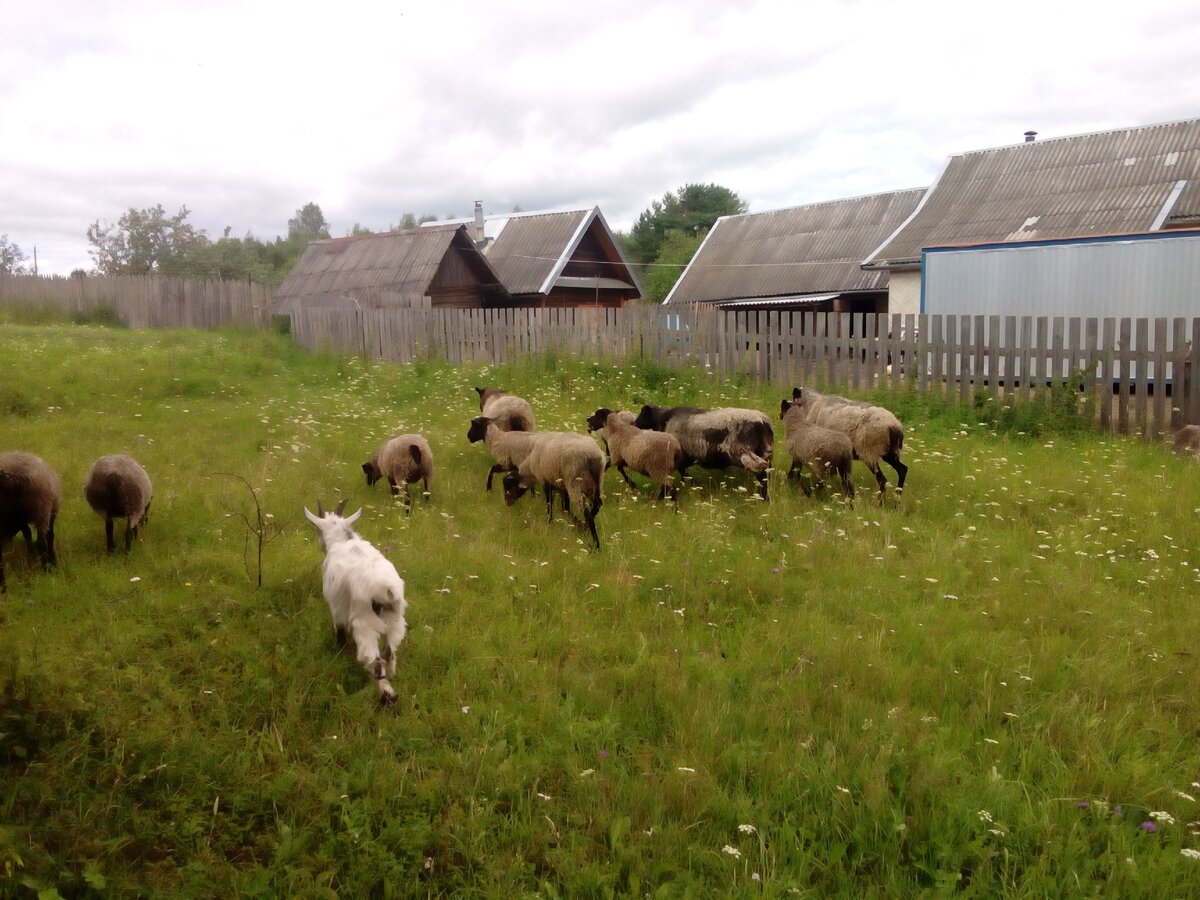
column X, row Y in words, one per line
column 401, row 263
column 531, row 250
column 1134, row 179
column 794, row 300
column 798, row 250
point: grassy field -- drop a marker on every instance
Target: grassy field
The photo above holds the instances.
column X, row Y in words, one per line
column 986, row 688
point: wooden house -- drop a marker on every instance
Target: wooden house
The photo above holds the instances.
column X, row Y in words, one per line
column 417, row 268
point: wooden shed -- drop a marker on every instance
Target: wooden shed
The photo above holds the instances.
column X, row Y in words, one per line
column 548, row 259
column 418, row 268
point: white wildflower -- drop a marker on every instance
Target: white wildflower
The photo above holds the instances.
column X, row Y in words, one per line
column 1165, row 817
column 1190, row 853
column 747, row 829
column 732, row 851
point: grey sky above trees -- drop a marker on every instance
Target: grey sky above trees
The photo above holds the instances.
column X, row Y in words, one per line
column 245, row 111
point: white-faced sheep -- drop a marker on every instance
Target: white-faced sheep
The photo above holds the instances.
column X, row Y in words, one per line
column 655, row 454
column 573, row 463
column 508, row 448
column 1187, row 441
column 402, row 460
column 365, row 594
column 717, row 438
column 875, row 433
column 822, row 450
column 30, row 493
column 117, row 487
column 512, row 413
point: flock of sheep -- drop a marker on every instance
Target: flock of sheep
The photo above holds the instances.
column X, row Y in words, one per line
column 822, row 433
column 116, row 487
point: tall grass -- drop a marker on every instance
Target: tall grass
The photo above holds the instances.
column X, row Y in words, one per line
column 987, row 687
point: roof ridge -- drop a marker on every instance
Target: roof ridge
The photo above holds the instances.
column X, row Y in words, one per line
column 1073, row 137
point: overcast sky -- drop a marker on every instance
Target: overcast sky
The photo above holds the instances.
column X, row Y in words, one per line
column 245, row 111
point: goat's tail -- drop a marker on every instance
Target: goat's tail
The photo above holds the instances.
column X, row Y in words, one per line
column 383, row 600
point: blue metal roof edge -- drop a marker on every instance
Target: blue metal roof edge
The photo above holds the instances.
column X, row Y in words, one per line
column 1050, row 242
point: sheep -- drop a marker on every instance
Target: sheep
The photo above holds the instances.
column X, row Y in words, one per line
column 875, row 433
column 511, row 412
column 821, row 449
column 404, row 459
column 573, row 463
column 653, row 453
column 509, row 448
column 716, row 438
column 623, row 415
column 30, row 492
column 117, row 487
column 1187, row 441
column 365, row 594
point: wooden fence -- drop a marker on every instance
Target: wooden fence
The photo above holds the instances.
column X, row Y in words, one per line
column 1138, row 371
column 143, row 301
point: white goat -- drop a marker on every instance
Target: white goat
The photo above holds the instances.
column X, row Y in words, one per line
column 365, row 594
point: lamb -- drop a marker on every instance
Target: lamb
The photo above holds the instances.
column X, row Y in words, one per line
column 875, row 433
column 511, row 412
column 30, row 492
column 821, row 449
column 365, row 595
column 508, row 448
column 1187, row 441
column 716, row 438
column 655, row 454
column 404, row 459
column 117, row 487
column 573, row 463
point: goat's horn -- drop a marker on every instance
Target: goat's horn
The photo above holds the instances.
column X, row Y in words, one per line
column 320, row 510
column 341, row 507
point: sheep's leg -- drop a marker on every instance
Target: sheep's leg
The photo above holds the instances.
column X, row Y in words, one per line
column 762, row 484
column 366, row 639
column 848, row 485
column 46, row 545
column 130, row 534
column 892, row 458
column 425, row 495
column 589, row 518
column 108, row 535
column 879, row 478
column 27, row 532
column 407, row 498
column 549, row 491
column 625, row 475
column 392, row 485
column 492, row 471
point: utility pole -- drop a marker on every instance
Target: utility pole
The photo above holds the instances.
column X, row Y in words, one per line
column 35, row 259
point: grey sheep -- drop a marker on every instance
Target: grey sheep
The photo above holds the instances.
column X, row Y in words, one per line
column 512, row 413
column 655, row 454
column 573, row 463
column 117, row 487
column 823, row 450
column 508, row 448
column 875, row 433
column 30, row 493
column 717, row 438
column 1187, row 441
column 403, row 460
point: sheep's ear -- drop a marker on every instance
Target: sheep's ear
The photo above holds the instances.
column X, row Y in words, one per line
column 784, row 406
column 341, row 507
column 795, row 393
column 350, row 520
column 314, row 519
column 480, row 391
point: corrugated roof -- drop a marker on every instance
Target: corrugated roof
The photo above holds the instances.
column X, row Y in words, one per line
column 799, row 250
column 1103, row 183
column 530, row 247
column 402, row 263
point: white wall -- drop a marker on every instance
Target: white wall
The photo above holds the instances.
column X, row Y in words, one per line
column 904, row 293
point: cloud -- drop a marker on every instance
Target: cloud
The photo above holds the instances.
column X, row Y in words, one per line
column 246, row 111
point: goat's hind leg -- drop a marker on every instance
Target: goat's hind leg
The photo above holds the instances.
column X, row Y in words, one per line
column 366, row 639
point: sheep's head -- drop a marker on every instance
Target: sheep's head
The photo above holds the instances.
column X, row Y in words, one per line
column 784, row 406
column 331, row 527
column 487, row 393
column 598, row 419
column 478, row 430
column 371, row 469
column 649, row 417
column 514, row 488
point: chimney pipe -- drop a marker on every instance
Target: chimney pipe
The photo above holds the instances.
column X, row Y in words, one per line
column 1029, row 136
column 478, row 221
